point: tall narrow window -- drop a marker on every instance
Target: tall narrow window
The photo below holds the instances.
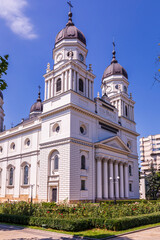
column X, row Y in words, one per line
column 58, row 85
column 130, row 170
column 83, row 162
column 126, row 111
column 81, row 85
column 11, row 176
column 82, row 184
column 130, row 187
column 56, row 162
column 26, row 170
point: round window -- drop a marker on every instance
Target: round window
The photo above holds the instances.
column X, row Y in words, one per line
column 83, row 130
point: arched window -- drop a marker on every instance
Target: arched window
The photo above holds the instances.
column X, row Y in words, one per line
column 11, row 176
column 126, row 111
column 58, row 85
column 81, row 85
column 83, row 162
column 130, row 170
column 56, row 162
column 26, row 171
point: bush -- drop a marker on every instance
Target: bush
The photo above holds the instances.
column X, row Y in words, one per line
column 83, row 224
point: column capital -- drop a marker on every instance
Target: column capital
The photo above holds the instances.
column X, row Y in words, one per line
column 99, row 158
column 105, row 159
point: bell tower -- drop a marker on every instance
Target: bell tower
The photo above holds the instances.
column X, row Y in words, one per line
column 115, row 85
column 69, row 70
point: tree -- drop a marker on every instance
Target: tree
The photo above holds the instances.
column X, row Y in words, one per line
column 152, row 183
column 3, row 70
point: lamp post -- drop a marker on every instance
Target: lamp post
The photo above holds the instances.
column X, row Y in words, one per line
column 31, row 185
column 115, row 180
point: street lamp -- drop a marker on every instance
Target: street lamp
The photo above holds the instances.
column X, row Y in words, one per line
column 115, row 180
column 31, row 185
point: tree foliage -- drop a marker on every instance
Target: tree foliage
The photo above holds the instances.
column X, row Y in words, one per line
column 3, row 71
column 152, row 183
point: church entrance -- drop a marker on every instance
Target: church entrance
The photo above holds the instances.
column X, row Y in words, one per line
column 54, row 194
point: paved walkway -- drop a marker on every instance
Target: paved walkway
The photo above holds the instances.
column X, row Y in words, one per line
column 148, row 234
column 9, row 232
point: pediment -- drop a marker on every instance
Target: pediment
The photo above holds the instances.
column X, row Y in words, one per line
column 114, row 142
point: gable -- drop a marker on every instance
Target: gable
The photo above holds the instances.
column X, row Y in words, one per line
column 114, row 142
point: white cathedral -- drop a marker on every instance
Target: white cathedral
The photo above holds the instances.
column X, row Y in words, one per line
column 73, row 146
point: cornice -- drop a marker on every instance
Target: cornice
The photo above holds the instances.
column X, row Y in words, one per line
column 65, row 141
column 19, row 131
column 21, row 155
column 68, row 63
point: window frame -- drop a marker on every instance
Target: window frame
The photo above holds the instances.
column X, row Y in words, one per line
column 130, row 170
column 81, row 85
column 58, row 85
column 83, row 185
column 52, row 170
column 83, row 162
column 9, row 167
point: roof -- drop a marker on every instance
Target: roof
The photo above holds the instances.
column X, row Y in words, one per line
column 70, row 32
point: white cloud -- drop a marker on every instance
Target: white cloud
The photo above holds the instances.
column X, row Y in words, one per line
column 12, row 12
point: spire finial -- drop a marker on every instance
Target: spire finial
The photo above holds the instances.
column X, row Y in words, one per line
column 39, row 94
column 70, row 23
column 114, row 53
column 70, row 6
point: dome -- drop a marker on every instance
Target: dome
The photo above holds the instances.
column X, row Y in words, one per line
column 70, row 32
column 1, row 94
column 37, row 106
column 114, row 68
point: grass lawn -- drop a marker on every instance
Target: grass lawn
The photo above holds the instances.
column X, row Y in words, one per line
column 93, row 233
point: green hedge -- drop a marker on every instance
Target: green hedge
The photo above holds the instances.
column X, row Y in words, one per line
column 129, row 201
column 83, row 224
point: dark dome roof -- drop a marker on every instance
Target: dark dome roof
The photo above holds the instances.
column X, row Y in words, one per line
column 37, row 106
column 114, row 69
column 1, row 94
column 70, row 32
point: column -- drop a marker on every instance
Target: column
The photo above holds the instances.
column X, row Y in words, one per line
column 74, row 80
column 89, row 89
column 51, row 87
column 99, row 178
column 116, row 176
column 77, row 82
column 63, row 82
column 111, row 194
column 48, row 90
column 92, row 91
column 121, row 181
column 86, row 80
column 70, row 79
column 126, row 183
column 45, row 90
column 105, row 178
column 120, row 107
column 66, row 81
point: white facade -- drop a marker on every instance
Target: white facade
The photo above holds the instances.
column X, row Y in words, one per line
column 149, row 155
column 79, row 147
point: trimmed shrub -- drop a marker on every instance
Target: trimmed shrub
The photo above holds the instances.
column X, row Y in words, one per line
column 83, row 224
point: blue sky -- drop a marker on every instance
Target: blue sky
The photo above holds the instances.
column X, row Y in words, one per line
column 27, row 33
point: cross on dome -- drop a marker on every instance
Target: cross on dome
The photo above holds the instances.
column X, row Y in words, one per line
column 70, row 5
